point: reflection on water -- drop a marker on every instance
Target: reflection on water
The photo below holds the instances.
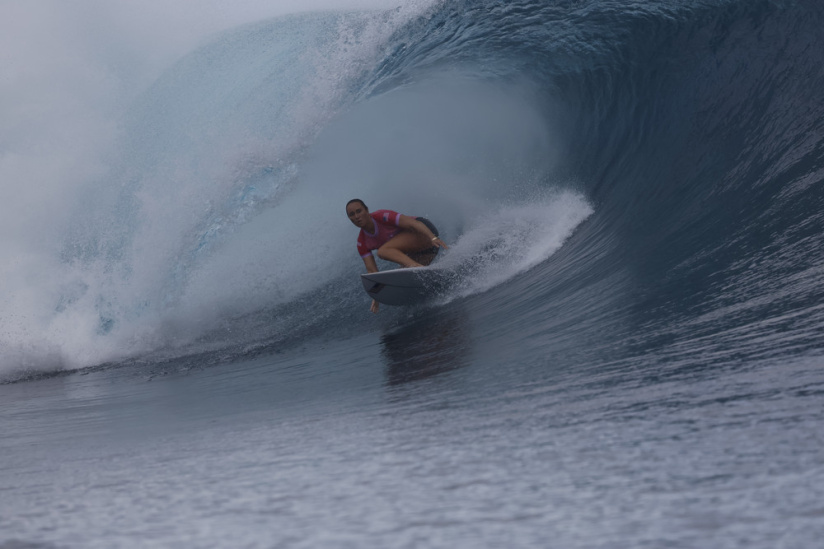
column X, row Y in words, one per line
column 435, row 343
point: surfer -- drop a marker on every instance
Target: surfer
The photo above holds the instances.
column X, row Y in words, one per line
column 407, row 241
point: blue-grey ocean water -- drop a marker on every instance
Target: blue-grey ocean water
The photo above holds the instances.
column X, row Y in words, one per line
column 634, row 195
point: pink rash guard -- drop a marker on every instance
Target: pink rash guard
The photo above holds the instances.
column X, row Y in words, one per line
column 386, row 226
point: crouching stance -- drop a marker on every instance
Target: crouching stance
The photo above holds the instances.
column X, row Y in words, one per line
column 407, row 241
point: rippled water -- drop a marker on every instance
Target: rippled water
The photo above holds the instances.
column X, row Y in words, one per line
column 365, row 443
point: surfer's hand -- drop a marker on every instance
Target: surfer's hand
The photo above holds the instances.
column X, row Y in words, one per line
column 438, row 242
column 374, row 307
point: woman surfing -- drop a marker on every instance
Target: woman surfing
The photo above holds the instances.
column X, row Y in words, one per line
column 407, row 241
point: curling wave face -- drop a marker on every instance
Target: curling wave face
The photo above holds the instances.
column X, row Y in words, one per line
column 632, row 167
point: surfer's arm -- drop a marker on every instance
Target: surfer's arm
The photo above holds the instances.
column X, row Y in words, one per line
column 371, row 264
column 411, row 224
column 371, row 267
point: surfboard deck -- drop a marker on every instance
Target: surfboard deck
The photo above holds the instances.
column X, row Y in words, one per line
column 410, row 286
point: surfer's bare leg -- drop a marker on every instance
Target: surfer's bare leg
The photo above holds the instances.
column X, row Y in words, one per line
column 397, row 256
column 400, row 245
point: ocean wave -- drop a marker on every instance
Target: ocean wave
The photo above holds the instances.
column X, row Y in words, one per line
column 679, row 144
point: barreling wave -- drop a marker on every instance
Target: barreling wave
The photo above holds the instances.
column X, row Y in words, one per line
column 634, row 168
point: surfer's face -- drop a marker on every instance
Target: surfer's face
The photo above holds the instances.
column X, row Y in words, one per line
column 358, row 214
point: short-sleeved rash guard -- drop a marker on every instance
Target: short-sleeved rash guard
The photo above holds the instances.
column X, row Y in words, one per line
column 386, row 226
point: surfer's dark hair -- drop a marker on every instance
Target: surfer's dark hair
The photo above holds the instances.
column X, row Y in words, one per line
column 357, row 200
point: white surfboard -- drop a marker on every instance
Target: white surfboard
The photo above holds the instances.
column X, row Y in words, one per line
column 410, row 286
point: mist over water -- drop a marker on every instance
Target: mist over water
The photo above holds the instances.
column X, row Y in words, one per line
column 106, row 175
